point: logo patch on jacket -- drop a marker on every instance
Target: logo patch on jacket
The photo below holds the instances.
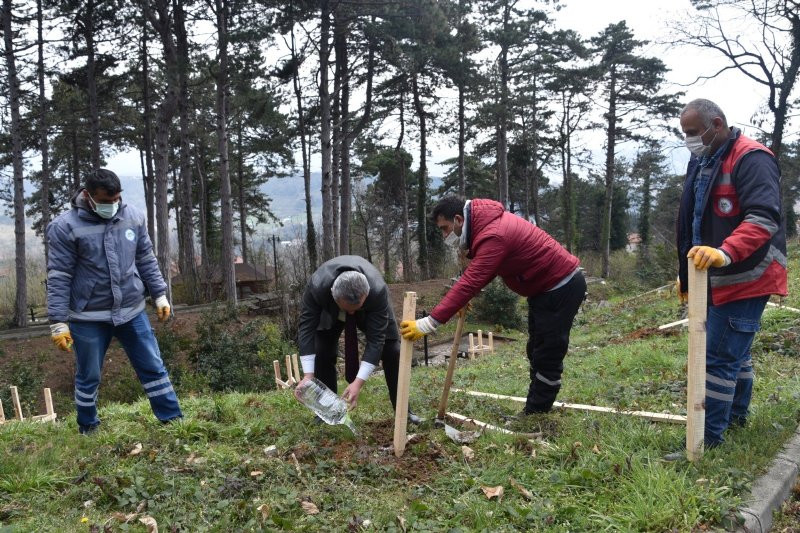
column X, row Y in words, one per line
column 130, row 235
column 725, row 205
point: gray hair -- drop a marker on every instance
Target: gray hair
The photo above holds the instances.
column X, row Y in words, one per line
column 350, row 286
column 707, row 110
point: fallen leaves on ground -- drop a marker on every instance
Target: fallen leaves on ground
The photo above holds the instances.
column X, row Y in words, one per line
column 309, row 507
column 137, row 449
column 494, row 492
column 522, row 490
column 150, row 523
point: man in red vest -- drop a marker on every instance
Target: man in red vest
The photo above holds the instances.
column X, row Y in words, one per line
column 532, row 264
column 730, row 224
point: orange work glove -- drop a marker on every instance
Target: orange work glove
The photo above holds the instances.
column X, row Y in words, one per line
column 61, row 336
column 162, row 308
column 706, row 256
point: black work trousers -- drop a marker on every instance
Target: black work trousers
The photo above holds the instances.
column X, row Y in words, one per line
column 326, row 344
column 550, row 318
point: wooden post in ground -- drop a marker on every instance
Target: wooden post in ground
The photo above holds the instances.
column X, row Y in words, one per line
column 289, row 376
column 276, row 365
column 404, row 378
column 491, row 343
column 471, row 351
column 696, row 381
column 297, row 376
column 479, row 346
column 451, row 366
column 48, row 402
column 17, row 405
column 2, row 414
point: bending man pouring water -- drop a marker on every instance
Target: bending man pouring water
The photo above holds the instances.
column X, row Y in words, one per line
column 348, row 294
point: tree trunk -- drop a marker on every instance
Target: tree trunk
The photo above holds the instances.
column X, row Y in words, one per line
column 502, row 133
column 188, row 260
column 91, row 85
column 227, row 256
column 311, row 235
column 336, row 150
column 422, row 189
column 328, row 229
column 203, row 230
column 405, row 245
column 611, row 139
column 21, row 301
column 462, row 141
column 341, row 155
column 166, row 111
column 241, row 187
column 44, row 145
column 147, row 119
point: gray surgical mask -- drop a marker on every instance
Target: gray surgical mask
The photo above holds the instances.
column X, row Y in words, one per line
column 451, row 239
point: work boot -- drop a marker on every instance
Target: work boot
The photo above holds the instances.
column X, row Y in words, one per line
column 414, row 420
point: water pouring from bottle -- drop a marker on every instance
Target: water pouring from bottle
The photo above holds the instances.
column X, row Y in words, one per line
column 324, row 402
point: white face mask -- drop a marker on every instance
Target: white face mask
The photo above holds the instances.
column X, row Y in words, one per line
column 695, row 144
column 451, row 239
column 105, row 210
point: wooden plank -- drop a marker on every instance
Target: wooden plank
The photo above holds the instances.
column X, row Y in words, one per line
column 696, row 380
column 297, row 376
column 477, row 423
column 656, row 417
column 44, row 418
column 451, row 366
column 673, row 324
column 480, row 342
column 2, row 413
column 48, row 402
column 404, row 378
column 491, row 343
column 786, row 307
column 15, row 402
column 471, row 352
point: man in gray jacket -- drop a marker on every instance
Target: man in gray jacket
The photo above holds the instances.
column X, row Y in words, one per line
column 101, row 266
column 348, row 292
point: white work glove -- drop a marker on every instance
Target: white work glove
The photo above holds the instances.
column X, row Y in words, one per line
column 162, row 308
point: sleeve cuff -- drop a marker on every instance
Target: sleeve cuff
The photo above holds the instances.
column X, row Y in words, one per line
column 365, row 370
column 725, row 256
column 307, row 362
column 427, row 325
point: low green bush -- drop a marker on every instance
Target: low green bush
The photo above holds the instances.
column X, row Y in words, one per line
column 499, row 305
column 235, row 355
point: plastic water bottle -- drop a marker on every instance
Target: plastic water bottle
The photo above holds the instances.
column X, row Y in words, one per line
column 325, row 403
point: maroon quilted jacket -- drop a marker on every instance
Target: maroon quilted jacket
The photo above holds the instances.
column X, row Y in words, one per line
column 502, row 244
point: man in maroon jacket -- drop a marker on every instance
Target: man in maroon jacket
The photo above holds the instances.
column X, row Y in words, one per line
column 532, row 264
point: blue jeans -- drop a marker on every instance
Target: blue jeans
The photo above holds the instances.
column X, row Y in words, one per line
column 730, row 329
column 90, row 342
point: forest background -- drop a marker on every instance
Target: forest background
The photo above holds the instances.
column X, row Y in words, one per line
column 221, row 100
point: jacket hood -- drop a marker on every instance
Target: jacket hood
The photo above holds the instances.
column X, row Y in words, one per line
column 78, row 201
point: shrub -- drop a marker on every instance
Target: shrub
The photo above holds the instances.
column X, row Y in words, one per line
column 499, row 305
column 232, row 355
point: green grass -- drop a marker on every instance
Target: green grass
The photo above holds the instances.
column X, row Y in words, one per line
column 589, row 472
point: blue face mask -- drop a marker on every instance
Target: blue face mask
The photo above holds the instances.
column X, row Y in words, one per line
column 106, row 211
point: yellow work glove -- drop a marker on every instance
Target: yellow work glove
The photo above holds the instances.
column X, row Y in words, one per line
column 412, row 330
column 706, row 256
column 162, row 308
column 61, row 336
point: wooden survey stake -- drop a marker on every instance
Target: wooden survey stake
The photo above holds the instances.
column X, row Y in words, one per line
column 296, row 368
column 2, row 414
column 451, row 365
column 404, row 378
column 17, row 405
column 696, row 381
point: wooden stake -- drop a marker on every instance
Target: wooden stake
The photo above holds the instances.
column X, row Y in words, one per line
column 278, row 381
column 289, row 376
column 15, row 402
column 673, row 324
column 491, row 343
column 2, row 413
column 471, row 351
column 479, row 347
column 477, row 423
column 48, row 402
column 451, row 366
column 656, row 417
column 297, row 376
column 696, row 381
column 404, row 378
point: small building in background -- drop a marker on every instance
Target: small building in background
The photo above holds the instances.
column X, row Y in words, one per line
column 249, row 280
